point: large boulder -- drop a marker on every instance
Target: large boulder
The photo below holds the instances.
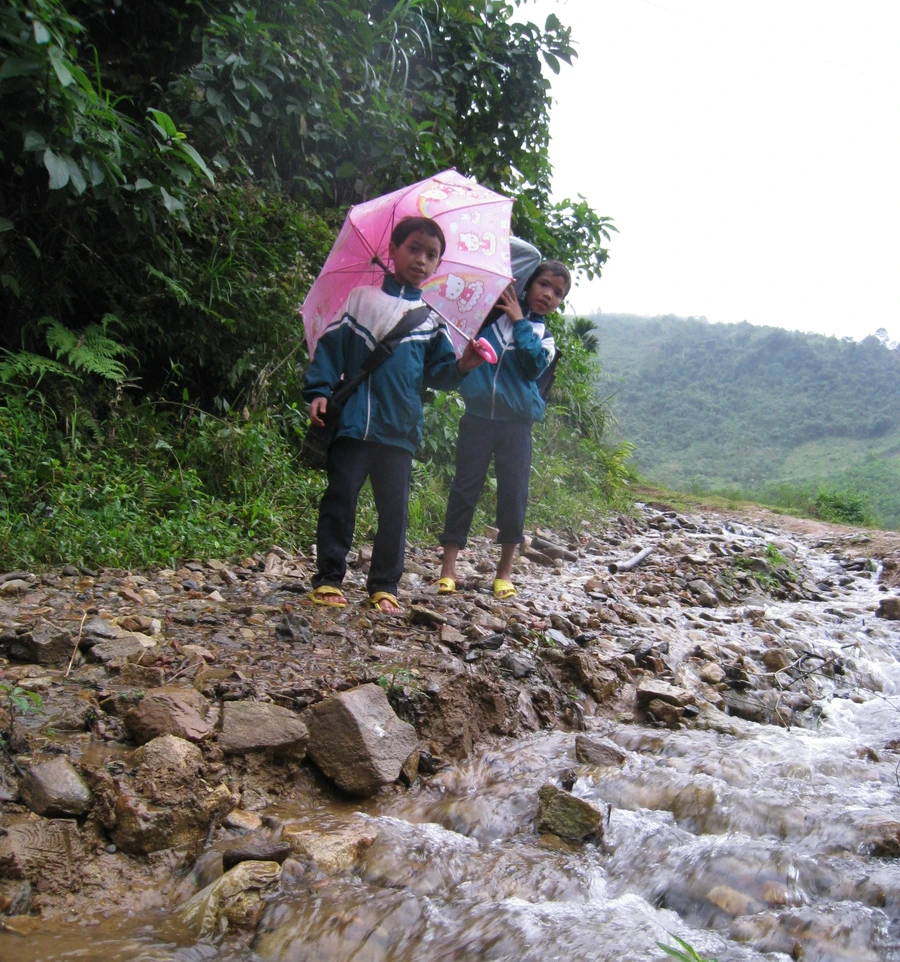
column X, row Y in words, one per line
column 356, row 739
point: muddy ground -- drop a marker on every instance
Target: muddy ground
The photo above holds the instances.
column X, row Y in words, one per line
column 578, row 642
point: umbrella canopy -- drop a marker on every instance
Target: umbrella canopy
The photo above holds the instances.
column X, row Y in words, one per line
column 473, row 273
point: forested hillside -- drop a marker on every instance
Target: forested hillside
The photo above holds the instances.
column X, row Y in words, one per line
column 777, row 414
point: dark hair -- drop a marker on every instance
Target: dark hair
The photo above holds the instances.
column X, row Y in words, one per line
column 556, row 268
column 409, row 225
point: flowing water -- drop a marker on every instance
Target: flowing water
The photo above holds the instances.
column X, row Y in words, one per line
column 752, row 843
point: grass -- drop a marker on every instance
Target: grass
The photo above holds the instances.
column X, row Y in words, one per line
column 155, row 485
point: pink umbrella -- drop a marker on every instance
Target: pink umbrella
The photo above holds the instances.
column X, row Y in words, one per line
column 474, row 272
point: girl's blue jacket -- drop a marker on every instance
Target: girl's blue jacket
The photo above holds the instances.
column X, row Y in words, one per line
column 387, row 407
column 507, row 390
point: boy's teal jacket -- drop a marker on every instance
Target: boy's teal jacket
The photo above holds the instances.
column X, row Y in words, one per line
column 507, row 390
column 387, row 407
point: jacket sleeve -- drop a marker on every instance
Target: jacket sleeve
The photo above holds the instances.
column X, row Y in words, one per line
column 327, row 365
column 441, row 371
column 532, row 354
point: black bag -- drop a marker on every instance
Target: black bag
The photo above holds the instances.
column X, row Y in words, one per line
column 318, row 440
column 546, row 378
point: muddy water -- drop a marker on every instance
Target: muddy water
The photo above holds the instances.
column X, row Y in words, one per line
column 750, row 842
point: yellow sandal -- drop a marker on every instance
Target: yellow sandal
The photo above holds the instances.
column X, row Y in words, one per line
column 322, row 594
column 446, row 586
column 379, row 596
column 504, row 589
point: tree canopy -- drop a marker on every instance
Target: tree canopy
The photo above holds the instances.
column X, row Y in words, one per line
column 172, row 173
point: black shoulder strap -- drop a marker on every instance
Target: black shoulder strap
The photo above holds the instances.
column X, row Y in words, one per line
column 382, row 351
column 409, row 322
column 548, row 376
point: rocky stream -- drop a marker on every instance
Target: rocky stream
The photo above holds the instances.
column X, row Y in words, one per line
column 686, row 726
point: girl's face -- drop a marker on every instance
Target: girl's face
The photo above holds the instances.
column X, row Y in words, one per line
column 416, row 259
column 546, row 293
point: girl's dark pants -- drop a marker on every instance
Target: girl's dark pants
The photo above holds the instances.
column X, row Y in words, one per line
column 350, row 462
column 509, row 443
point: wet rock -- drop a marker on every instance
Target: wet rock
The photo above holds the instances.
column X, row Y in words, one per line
column 259, row 726
column 598, row 751
column 48, row 853
column 712, row 673
column 43, row 645
column 333, row 851
column 882, row 839
column 169, row 710
column 234, row 900
column 242, row 821
column 142, row 676
column 15, row 898
column 121, row 649
column 255, row 850
column 55, row 789
column 562, row 814
column 519, row 666
column 168, row 756
column 591, row 674
column 763, row 707
column 776, row 659
column 655, row 688
column 704, row 593
column 142, row 825
column 889, row 608
column 664, row 713
column 294, row 627
column 356, row 739
column 732, row 902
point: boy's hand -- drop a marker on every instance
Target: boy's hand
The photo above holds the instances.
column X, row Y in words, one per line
column 317, row 409
column 509, row 304
column 470, row 358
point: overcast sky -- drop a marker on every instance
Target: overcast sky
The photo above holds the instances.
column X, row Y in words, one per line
column 748, row 152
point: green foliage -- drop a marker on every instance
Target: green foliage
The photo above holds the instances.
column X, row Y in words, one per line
column 843, row 506
column 160, row 487
column 116, row 117
column 685, row 953
column 19, row 700
column 773, row 414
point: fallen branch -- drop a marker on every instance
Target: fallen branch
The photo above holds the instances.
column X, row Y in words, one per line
column 615, row 567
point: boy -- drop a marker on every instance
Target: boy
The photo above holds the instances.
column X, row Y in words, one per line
column 502, row 403
column 381, row 424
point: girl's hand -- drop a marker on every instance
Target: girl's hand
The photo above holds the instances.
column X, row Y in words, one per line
column 509, row 304
column 470, row 358
column 317, row 409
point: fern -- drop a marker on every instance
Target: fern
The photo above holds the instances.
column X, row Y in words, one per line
column 91, row 350
column 23, row 365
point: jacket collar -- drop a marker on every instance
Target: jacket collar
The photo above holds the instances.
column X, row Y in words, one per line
column 408, row 293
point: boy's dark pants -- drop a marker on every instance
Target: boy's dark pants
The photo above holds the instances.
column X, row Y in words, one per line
column 350, row 462
column 509, row 442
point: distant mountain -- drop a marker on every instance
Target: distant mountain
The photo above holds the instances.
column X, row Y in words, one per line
column 736, row 406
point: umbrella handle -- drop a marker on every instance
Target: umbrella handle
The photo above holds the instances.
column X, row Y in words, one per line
column 482, row 345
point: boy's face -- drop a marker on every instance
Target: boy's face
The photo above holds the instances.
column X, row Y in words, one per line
column 416, row 259
column 546, row 293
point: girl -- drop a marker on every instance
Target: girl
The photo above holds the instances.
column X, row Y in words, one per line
column 502, row 403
